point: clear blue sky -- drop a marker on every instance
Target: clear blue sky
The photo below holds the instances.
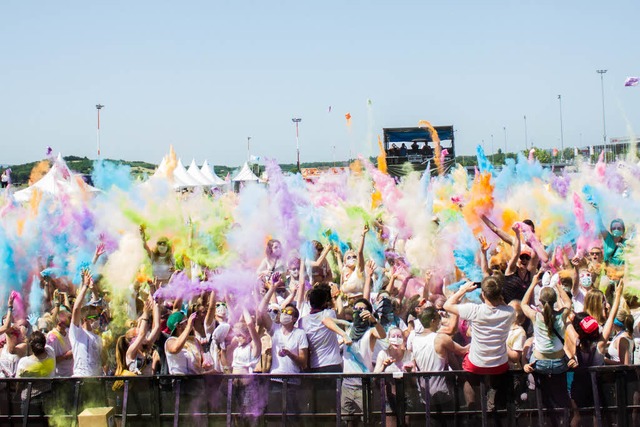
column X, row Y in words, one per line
column 204, row 75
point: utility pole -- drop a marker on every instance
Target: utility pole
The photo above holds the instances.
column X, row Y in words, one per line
column 99, row 107
column 604, row 123
column 297, row 122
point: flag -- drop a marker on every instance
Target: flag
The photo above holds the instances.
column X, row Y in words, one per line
column 632, row 81
column 555, row 152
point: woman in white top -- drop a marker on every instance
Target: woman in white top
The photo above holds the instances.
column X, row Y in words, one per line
column 184, row 356
column 396, row 358
column 622, row 345
column 14, row 347
column 549, row 361
column 352, row 274
column 273, row 260
column 245, row 350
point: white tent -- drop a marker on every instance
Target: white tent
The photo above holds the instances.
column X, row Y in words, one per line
column 208, row 172
column 196, row 174
column 246, row 175
column 180, row 175
column 58, row 181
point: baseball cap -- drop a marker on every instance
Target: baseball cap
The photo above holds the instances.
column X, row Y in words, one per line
column 174, row 319
column 589, row 325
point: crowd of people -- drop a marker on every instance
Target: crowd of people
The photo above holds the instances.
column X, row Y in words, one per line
column 459, row 283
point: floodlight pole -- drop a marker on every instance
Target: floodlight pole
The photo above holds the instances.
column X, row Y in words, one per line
column 561, row 130
column 297, row 122
column 504, row 129
column 248, row 148
column 99, row 107
column 604, row 123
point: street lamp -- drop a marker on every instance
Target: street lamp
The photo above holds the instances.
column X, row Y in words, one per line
column 604, row 124
column 504, row 129
column 248, row 148
column 297, row 121
column 526, row 138
column 561, row 131
column 99, row 107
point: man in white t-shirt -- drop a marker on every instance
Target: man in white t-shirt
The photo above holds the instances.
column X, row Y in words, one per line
column 490, row 325
column 290, row 355
column 86, row 346
column 324, row 350
column 58, row 340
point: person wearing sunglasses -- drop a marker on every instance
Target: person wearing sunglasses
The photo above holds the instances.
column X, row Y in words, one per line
column 520, row 270
column 352, row 275
column 217, row 327
column 162, row 261
column 86, row 345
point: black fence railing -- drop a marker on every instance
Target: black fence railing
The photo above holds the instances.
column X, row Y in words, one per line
column 421, row 398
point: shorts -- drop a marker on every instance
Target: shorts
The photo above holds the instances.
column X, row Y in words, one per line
column 478, row 370
column 550, row 366
column 351, row 400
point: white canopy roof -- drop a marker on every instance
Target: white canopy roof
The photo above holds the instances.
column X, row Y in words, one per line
column 196, row 174
column 246, row 175
column 59, row 180
column 210, row 173
column 180, row 175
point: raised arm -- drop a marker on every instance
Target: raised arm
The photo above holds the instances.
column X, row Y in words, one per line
column 360, row 260
column 506, row 237
column 526, row 299
column 608, row 326
column 143, row 327
column 175, row 346
column 262, row 317
column 87, row 281
column 256, row 343
column 143, row 235
column 211, row 311
column 156, row 326
column 517, row 247
column 484, row 265
column 369, row 268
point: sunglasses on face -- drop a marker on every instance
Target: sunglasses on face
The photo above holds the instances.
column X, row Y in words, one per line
column 289, row 312
column 92, row 317
column 162, row 243
column 351, row 257
column 595, row 253
column 274, row 310
column 221, row 304
column 525, row 258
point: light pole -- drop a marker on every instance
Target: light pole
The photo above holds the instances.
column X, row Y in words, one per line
column 604, row 124
column 526, row 138
column 99, row 107
column 561, row 130
column 248, row 148
column 492, row 150
column 297, row 121
column 504, row 129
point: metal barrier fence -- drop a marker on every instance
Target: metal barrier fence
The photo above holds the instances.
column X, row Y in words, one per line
column 311, row 399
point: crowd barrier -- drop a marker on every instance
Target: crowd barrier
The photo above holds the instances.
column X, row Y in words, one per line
column 307, row 399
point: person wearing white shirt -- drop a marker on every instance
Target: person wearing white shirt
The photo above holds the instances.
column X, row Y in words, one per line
column 490, row 325
column 58, row 340
column 86, row 346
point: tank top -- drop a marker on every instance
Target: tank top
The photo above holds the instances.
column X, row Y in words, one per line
column 428, row 360
column 242, row 358
column 613, row 348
